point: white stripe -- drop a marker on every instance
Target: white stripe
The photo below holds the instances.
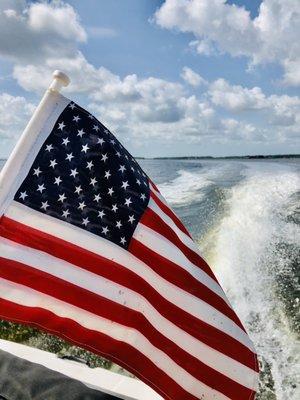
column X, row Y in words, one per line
column 109, row 250
column 168, row 220
column 205, row 312
column 161, row 245
column 155, row 191
column 128, row 298
column 27, row 297
column 161, row 198
column 184, row 238
column 147, row 235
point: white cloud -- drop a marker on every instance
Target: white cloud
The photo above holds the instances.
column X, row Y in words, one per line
column 39, row 30
column 291, row 72
column 273, row 36
column 204, row 47
column 14, row 112
column 191, row 77
column 277, row 110
column 236, row 97
column 140, row 109
column 155, row 108
column 84, row 76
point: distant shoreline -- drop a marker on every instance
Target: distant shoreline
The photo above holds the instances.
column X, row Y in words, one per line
column 248, row 157
column 258, row 156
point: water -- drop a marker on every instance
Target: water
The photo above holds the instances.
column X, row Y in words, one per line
column 244, row 217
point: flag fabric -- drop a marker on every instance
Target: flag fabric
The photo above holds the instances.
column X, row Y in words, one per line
column 90, row 251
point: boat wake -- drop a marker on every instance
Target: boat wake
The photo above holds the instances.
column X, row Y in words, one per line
column 249, row 235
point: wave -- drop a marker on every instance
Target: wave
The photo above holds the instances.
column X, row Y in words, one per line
column 253, row 249
column 190, row 185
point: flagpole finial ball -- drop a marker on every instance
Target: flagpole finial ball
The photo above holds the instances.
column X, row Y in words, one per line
column 62, row 77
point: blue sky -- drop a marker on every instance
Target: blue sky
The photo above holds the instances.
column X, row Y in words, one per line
column 192, row 77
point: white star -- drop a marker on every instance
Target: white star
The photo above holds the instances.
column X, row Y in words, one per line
column 81, row 206
column 57, row 181
column 128, row 202
column 93, row 181
column 107, row 174
column 85, row 148
column 126, row 156
column 118, row 224
column 122, row 168
column 37, row 171
column 131, row 219
column 80, row 132
column 72, row 106
column 104, row 157
column 44, row 205
column 40, row 188
column 69, row 157
column 65, row 213
column 85, row 221
column 118, row 154
column 96, row 128
column 132, row 169
column 91, row 116
column 125, row 184
column 61, row 197
column 74, row 172
column 143, row 196
column 110, row 191
column 97, row 197
column 49, row 147
column 61, row 125
column 23, row 195
column 138, row 181
column 106, row 131
column 52, row 163
column 76, row 118
column 66, row 141
column 123, row 240
column 112, row 141
column 105, row 230
column 101, row 214
column 114, row 208
column 78, row 189
column 89, row 165
column 100, row 141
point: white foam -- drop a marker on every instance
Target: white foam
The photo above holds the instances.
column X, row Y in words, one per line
column 189, row 186
column 185, row 188
column 243, row 251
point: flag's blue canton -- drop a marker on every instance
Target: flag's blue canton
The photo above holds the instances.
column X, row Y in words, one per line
column 83, row 175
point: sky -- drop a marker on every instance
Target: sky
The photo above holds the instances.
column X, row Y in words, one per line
column 169, row 78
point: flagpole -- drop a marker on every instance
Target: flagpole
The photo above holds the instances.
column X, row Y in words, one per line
column 38, row 128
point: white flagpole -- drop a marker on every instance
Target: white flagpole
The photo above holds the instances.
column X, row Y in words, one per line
column 38, row 128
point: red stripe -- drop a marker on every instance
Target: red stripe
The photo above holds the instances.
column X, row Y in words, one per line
column 167, row 210
column 98, row 305
column 115, row 350
column 187, row 282
column 181, row 278
column 111, row 270
column 155, row 222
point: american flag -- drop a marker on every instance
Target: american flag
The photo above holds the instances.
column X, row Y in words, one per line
column 91, row 251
